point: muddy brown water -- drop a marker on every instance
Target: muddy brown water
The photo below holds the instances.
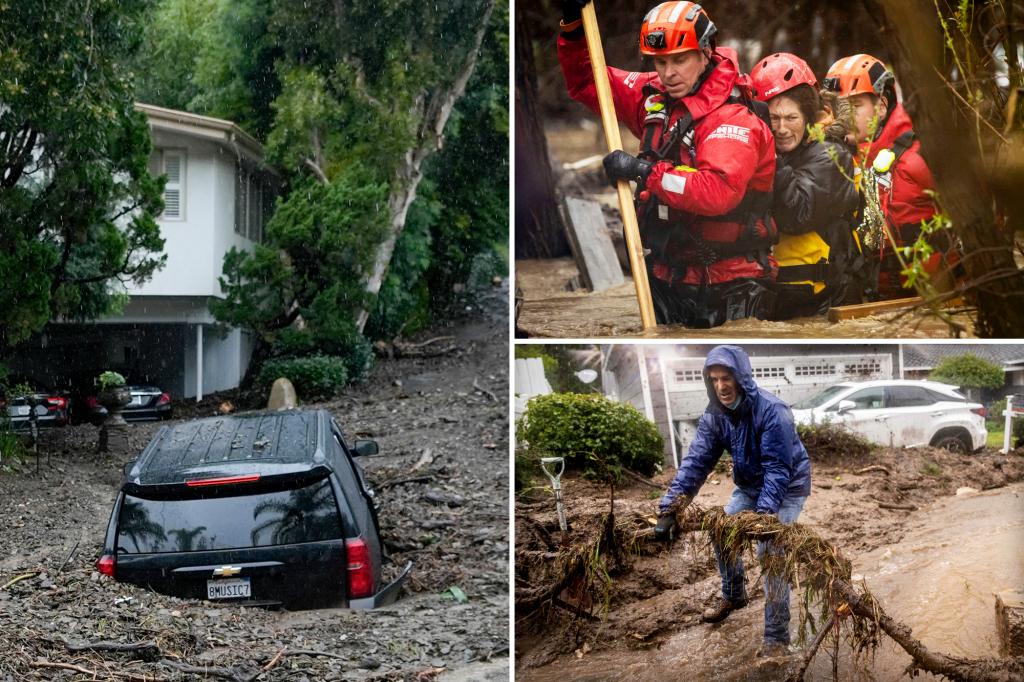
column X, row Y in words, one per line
column 548, row 310
column 940, row 579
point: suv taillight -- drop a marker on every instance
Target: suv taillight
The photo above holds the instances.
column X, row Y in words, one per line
column 360, row 570
column 106, row 565
column 163, row 399
column 56, row 403
column 981, row 412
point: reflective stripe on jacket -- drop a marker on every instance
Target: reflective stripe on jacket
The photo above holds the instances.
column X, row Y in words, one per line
column 735, row 153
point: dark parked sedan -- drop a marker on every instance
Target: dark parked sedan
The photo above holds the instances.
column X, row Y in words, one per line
column 266, row 507
column 148, row 403
column 51, row 408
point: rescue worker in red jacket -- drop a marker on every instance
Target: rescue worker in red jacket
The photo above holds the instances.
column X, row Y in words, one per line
column 815, row 196
column 705, row 171
column 893, row 171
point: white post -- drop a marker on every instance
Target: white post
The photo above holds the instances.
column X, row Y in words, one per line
column 199, row 362
column 668, row 411
column 1007, row 425
column 645, row 383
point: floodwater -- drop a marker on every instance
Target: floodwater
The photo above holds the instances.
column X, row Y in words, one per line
column 940, row 579
column 548, row 310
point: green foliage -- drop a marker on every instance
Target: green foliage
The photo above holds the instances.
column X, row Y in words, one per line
column 594, row 434
column 12, row 448
column 317, row 245
column 997, row 422
column 527, row 472
column 968, row 371
column 108, row 380
column 931, row 469
column 77, row 203
column 314, row 376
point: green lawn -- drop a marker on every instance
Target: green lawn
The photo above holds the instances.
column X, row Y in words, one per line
column 995, row 439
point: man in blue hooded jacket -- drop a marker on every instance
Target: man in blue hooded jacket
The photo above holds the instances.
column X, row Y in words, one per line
column 771, row 471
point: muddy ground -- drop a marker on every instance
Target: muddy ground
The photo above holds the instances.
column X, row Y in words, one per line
column 455, row 407
column 551, row 306
column 653, row 608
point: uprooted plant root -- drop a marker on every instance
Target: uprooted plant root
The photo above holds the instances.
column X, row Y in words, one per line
column 589, row 562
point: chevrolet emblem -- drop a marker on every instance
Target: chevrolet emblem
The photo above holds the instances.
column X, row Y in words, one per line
column 227, row 571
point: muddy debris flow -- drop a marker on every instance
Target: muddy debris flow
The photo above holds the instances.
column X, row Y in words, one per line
column 62, row 620
column 584, row 609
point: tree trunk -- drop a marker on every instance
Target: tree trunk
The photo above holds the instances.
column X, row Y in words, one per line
column 435, row 112
column 540, row 232
column 955, row 144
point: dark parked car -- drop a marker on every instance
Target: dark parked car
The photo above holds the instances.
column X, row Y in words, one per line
column 267, row 507
column 51, row 407
column 148, row 403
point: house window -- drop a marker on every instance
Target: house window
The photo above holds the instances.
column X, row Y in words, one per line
column 171, row 164
column 252, row 200
column 241, row 198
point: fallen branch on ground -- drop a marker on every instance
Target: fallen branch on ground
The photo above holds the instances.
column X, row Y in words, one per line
column 146, row 651
column 483, row 390
column 808, row 561
column 18, row 579
column 874, row 467
column 95, row 674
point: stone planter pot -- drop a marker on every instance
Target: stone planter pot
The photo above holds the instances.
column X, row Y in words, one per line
column 114, row 430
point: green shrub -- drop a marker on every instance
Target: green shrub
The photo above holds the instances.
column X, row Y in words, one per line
column 594, row 434
column 12, row 448
column 314, row 376
column 997, row 422
column 968, row 371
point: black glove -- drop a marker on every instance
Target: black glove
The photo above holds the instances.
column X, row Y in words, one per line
column 783, row 176
column 571, row 10
column 622, row 166
column 665, row 529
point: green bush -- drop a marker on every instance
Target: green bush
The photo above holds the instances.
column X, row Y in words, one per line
column 968, row 371
column 594, row 434
column 997, row 422
column 314, row 376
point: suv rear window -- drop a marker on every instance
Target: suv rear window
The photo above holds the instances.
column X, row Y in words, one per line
column 280, row 517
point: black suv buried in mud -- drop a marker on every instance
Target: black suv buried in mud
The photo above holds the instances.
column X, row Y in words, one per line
column 266, row 507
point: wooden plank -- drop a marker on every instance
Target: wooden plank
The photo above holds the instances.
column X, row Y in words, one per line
column 850, row 312
column 591, row 245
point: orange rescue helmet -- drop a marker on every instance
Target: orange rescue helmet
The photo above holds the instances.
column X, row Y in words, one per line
column 674, row 27
column 859, row 74
column 779, row 72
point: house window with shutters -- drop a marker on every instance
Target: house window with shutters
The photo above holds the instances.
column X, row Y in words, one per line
column 171, row 163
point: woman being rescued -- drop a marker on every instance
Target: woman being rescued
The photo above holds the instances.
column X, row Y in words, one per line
column 815, row 197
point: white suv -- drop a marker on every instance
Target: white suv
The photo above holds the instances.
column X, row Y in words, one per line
column 899, row 413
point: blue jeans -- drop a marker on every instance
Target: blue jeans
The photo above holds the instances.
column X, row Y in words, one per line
column 776, row 588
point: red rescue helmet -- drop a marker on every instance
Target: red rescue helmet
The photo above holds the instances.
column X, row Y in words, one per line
column 857, row 75
column 779, row 72
column 674, row 27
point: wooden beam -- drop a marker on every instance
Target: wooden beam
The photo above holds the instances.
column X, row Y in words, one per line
column 850, row 312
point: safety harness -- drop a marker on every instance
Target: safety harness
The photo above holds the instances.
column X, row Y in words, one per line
column 658, row 228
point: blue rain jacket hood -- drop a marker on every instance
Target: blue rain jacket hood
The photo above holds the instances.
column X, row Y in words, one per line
column 769, row 461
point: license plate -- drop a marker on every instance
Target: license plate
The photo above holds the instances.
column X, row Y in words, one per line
column 22, row 410
column 136, row 401
column 230, row 588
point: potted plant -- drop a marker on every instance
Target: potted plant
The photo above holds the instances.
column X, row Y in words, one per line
column 113, row 395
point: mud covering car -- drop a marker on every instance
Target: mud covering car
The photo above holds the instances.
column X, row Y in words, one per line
column 262, row 508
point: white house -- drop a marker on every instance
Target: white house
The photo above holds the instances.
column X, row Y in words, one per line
column 219, row 195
